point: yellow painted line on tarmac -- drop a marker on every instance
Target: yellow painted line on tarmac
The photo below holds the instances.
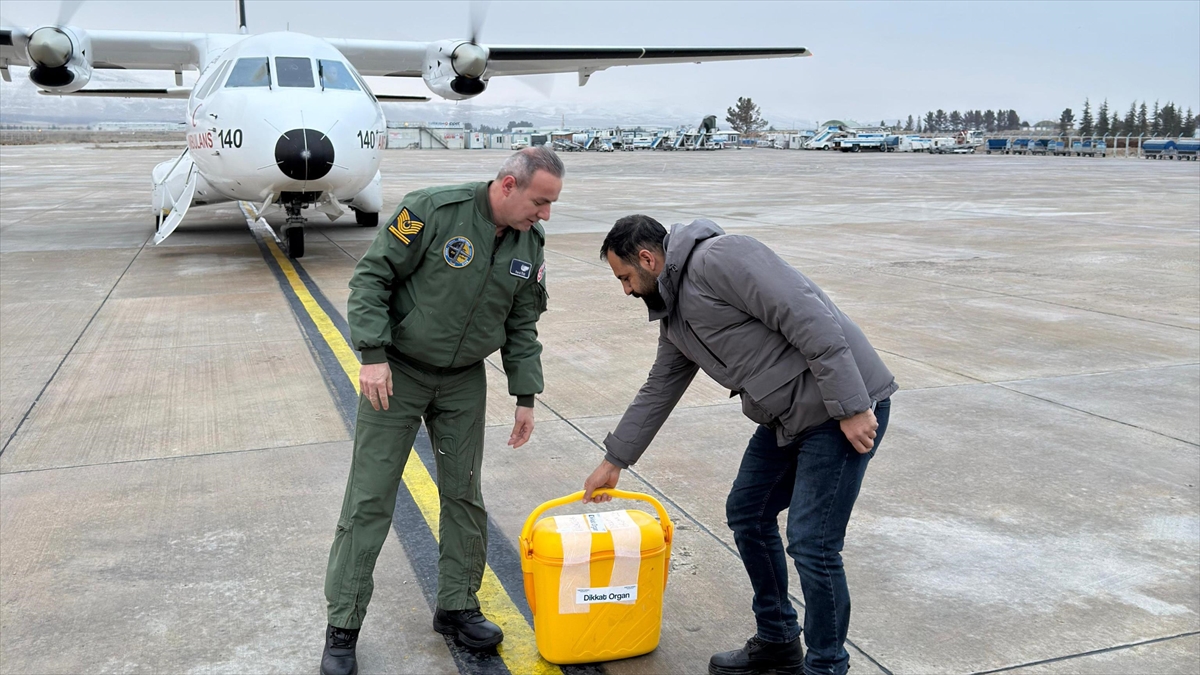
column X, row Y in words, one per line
column 519, row 649
column 333, row 337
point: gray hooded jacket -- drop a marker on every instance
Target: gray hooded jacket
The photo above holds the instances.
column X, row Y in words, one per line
column 759, row 328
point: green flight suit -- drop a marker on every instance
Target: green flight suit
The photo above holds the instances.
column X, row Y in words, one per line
column 436, row 292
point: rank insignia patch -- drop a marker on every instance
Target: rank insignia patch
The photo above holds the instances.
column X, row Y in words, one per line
column 520, row 268
column 541, row 272
column 406, row 226
column 458, row 252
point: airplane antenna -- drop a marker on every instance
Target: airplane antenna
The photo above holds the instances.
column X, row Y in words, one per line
column 242, row 17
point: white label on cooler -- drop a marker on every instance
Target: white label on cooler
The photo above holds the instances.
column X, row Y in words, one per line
column 596, row 522
column 570, row 524
column 593, row 596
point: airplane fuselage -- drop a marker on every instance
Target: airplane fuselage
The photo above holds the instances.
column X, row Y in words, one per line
column 284, row 113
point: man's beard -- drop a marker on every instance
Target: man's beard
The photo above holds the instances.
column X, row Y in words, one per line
column 654, row 300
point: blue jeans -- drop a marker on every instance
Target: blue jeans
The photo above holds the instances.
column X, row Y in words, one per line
column 816, row 477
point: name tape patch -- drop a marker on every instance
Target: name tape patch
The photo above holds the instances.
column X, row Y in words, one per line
column 406, row 226
column 520, row 268
column 595, row 596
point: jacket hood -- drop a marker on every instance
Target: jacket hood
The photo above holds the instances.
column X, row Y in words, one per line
column 679, row 245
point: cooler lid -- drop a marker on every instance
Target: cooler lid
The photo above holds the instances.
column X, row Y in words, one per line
column 548, row 533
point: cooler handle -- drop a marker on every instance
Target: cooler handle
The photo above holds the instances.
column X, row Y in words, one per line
column 527, row 531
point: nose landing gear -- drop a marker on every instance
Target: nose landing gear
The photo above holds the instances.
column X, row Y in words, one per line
column 293, row 230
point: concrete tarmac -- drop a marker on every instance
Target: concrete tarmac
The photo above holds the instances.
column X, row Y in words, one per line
column 176, row 444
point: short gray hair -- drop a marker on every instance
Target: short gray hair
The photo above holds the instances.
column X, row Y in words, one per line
column 524, row 163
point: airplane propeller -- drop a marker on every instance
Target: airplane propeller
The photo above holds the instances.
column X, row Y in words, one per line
column 469, row 59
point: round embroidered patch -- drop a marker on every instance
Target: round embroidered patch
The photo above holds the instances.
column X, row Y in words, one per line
column 458, row 252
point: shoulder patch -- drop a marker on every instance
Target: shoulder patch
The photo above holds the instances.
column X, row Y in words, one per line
column 406, row 226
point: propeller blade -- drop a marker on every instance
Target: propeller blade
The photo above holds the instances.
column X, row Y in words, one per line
column 477, row 16
column 542, row 84
column 66, row 11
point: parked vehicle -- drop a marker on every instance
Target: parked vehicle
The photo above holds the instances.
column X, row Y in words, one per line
column 1158, row 149
column 998, row 145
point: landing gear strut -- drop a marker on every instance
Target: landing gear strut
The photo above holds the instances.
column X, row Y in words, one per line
column 293, row 231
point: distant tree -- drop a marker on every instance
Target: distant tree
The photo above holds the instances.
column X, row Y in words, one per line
column 908, row 126
column 1155, row 122
column 1189, row 124
column 1087, row 122
column 1143, row 123
column 940, row 121
column 989, row 121
column 956, row 121
column 930, row 122
column 1169, row 122
column 1102, row 125
column 1129, row 125
column 745, row 117
column 1066, row 121
column 513, row 125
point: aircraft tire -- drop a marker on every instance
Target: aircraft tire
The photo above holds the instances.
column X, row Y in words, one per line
column 366, row 219
column 295, row 242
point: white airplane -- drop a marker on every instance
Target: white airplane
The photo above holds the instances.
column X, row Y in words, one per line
column 286, row 119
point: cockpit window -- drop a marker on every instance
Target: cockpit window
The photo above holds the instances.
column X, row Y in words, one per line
column 293, row 71
column 213, row 80
column 251, row 72
column 335, row 75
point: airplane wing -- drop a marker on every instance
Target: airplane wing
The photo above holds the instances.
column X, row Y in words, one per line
column 132, row 50
column 408, row 59
column 160, row 92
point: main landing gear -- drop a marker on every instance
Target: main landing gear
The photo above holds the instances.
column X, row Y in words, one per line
column 365, row 219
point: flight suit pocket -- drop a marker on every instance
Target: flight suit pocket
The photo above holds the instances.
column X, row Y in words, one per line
column 458, row 465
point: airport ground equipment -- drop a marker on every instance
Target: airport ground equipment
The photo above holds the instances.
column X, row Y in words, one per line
column 1158, row 149
column 1089, row 147
column 826, row 137
column 1039, row 146
column 1059, row 148
column 1000, row 146
column 860, row 142
column 1019, row 146
column 595, row 581
column 898, row 143
column 1187, row 149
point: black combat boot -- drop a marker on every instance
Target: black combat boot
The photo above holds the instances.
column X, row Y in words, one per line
column 786, row 658
column 338, row 658
column 469, row 627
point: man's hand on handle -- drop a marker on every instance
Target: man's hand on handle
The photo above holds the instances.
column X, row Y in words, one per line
column 523, row 428
column 860, row 431
column 605, row 476
column 375, row 381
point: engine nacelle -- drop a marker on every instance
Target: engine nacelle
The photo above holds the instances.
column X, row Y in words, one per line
column 455, row 69
column 59, row 58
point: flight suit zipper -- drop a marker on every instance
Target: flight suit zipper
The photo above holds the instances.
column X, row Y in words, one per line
column 478, row 296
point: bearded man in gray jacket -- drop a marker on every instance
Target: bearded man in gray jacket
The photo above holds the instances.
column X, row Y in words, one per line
column 805, row 372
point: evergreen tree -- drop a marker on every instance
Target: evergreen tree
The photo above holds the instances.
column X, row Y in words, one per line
column 1102, row 126
column 940, row 121
column 989, row 121
column 1066, row 121
column 1169, row 122
column 1087, row 121
column 1143, row 121
column 956, row 121
column 1130, row 124
column 745, row 117
column 930, row 123
column 1155, row 122
column 908, row 126
column 1115, row 124
column 1189, row 124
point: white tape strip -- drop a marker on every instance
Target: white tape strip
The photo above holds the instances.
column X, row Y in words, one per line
column 627, row 549
column 577, row 562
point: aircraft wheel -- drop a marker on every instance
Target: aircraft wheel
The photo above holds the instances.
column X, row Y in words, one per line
column 366, row 219
column 295, row 242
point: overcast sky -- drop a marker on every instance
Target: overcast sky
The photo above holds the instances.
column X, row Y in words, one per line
column 871, row 60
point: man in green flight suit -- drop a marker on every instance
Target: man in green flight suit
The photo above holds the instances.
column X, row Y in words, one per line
column 458, row 273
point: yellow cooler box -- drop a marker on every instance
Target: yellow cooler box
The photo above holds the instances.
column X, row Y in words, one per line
column 595, row 581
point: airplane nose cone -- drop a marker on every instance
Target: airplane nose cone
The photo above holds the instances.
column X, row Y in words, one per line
column 304, row 154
